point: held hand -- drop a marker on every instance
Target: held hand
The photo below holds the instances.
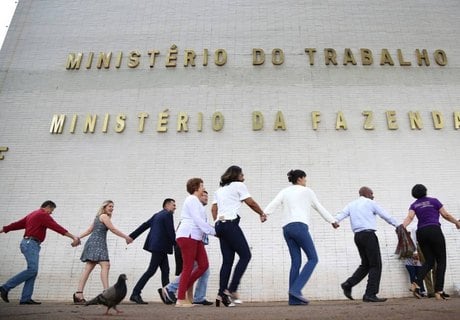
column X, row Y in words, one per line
column 129, row 240
column 335, row 225
column 76, row 241
column 263, row 217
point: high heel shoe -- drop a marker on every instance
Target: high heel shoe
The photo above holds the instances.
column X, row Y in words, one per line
column 225, row 299
column 234, row 296
column 416, row 290
column 78, row 300
column 441, row 296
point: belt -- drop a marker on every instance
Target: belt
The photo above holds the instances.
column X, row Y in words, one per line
column 367, row 230
column 33, row 239
column 227, row 220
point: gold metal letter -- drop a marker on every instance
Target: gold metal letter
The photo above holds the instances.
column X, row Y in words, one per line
column 200, row 121
column 134, row 59
column 89, row 61
column 258, row 56
column 121, row 123
column 57, row 124
column 456, row 120
column 422, row 56
column 74, row 62
column 142, row 116
column 152, row 54
column 401, row 59
column 340, row 122
column 438, row 120
column 386, row 58
column 315, row 119
column 220, row 57
column 73, row 124
column 366, row 57
column 119, row 58
column 171, row 58
column 440, row 57
column 279, row 121
column 348, row 57
column 189, row 58
column 162, row 125
column 415, row 120
column 330, row 56
column 277, row 56
column 257, row 120
column 182, row 119
column 217, row 121
column 3, row 149
column 391, row 120
column 106, row 123
column 369, row 122
column 90, row 123
column 311, row 55
column 104, row 60
column 205, row 57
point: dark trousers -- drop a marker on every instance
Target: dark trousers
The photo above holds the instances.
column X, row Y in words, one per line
column 158, row 259
column 371, row 262
column 433, row 245
column 232, row 240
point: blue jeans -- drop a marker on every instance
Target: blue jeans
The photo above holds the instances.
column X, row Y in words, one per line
column 232, row 240
column 30, row 249
column 200, row 290
column 298, row 238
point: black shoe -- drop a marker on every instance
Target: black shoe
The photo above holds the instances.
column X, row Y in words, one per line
column 204, row 303
column 347, row 290
column 373, row 298
column 163, row 297
column 137, row 299
column 30, row 302
column 4, row 294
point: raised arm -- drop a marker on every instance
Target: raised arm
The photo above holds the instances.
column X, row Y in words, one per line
column 446, row 215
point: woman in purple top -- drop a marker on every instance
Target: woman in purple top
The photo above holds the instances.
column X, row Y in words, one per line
column 430, row 238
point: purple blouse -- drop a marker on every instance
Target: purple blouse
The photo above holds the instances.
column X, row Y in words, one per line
column 427, row 211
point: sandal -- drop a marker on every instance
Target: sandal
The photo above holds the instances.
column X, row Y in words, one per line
column 77, row 300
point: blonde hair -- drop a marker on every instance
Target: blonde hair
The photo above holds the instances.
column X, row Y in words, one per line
column 102, row 208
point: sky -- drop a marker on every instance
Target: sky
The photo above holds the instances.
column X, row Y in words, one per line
column 7, row 8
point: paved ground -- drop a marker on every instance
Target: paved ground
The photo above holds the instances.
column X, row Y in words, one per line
column 394, row 309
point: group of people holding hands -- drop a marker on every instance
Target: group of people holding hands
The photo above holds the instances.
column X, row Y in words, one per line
column 191, row 236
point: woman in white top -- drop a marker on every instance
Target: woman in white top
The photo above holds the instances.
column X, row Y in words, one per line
column 189, row 235
column 296, row 201
column 225, row 208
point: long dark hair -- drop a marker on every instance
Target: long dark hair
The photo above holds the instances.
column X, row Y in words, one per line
column 231, row 174
column 294, row 175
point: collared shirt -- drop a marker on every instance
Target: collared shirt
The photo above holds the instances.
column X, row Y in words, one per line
column 193, row 220
column 228, row 199
column 35, row 225
column 297, row 201
column 362, row 213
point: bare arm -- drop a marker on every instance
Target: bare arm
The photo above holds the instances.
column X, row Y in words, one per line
column 409, row 218
column 88, row 231
column 76, row 240
column 446, row 215
column 256, row 208
column 105, row 219
column 214, row 210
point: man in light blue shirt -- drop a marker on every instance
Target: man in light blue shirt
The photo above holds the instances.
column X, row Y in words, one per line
column 363, row 214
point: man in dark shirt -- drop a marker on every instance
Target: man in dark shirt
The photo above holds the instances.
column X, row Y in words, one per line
column 35, row 225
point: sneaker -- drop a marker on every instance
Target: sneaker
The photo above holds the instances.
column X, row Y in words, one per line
column 30, row 302
column 169, row 295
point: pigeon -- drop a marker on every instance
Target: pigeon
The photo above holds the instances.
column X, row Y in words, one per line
column 112, row 296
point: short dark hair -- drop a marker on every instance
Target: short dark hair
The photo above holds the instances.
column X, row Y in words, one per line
column 48, row 203
column 294, row 175
column 193, row 184
column 167, row 200
column 419, row 191
column 230, row 175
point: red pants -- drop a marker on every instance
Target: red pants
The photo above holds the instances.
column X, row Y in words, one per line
column 192, row 250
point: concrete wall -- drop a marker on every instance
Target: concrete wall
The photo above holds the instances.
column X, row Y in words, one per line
column 139, row 169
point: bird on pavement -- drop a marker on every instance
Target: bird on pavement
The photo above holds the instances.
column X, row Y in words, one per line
column 112, row 296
